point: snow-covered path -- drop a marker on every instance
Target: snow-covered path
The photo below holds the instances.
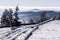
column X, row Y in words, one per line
column 48, row 31
column 8, row 35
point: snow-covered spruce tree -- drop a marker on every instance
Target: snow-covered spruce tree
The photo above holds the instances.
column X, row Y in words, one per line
column 4, row 18
column 7, row 18
column 58, row 15
column 16, row 15
column 10, row 17
column 43, row 16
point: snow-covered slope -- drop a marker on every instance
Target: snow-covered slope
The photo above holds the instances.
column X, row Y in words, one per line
column 48, row 31
column 3, row 31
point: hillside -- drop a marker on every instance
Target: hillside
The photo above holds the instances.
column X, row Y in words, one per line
column 48, row 31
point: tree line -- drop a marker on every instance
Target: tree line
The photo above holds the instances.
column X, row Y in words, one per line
column 9, row 18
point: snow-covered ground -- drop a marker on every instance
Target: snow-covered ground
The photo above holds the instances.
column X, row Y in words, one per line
column 6, row 34
column 3, row 31
column 48, row 31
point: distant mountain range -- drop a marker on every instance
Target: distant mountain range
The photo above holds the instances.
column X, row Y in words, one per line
column 37, row 10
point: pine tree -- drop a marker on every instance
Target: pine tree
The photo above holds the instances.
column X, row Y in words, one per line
column 43, row 16
column 17, row 8
column 4, row 18
column 7, row 18
column 16, row 14
column 10, row 17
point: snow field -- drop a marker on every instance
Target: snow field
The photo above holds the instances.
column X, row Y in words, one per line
column 48, row 31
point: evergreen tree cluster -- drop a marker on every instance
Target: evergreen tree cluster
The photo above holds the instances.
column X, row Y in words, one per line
column 7, row 18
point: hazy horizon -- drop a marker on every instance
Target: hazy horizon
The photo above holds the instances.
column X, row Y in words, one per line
column 29, row 8
column 30, row 4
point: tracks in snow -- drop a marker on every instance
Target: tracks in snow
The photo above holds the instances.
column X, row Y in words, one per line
column 18, row 32
column 22, row 34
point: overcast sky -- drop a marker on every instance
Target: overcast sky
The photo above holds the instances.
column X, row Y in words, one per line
column 31, row 3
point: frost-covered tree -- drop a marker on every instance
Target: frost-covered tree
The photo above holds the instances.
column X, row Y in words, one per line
column 4, row 18
column 43, row 16
column 16, row 15
column 17, row 8
column 58, row 15
column 10, row 17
